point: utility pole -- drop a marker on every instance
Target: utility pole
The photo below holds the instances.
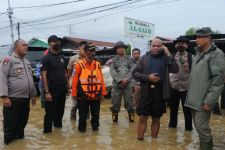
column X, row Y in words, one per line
column 18, row 30
column 10, row 12
column 70, row 30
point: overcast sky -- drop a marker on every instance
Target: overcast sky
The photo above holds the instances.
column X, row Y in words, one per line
column 171, row 18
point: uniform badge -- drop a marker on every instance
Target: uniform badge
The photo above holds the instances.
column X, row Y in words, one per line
column 62, row 61
column 18, row 71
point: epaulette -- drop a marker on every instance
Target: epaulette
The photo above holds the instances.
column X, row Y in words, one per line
column 6, row 60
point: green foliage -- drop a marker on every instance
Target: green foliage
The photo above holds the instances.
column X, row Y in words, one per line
column 128, row 50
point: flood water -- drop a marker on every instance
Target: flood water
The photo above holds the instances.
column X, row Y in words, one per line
column 110, row 136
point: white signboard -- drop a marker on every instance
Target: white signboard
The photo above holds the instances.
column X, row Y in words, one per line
column 136, row 28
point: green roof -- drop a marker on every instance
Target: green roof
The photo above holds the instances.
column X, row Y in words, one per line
column 34, row 42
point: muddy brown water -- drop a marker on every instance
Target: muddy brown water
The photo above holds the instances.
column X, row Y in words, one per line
column 110, row 136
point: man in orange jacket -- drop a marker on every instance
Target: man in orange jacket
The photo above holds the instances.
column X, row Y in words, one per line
column 88, row 87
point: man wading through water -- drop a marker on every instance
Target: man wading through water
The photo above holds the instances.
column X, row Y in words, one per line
column 152, row 71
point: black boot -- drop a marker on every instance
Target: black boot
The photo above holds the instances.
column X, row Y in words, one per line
column 8, row 140
column 115, row 117
column 206, row 145
column 20, row 134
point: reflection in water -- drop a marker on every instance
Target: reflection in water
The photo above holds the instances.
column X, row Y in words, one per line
column 110, row 136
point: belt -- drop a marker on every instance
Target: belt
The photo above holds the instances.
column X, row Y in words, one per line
column 152, row 86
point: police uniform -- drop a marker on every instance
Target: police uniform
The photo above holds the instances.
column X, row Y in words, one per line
column 55, row 66
column 17, row 84
column 121, row 68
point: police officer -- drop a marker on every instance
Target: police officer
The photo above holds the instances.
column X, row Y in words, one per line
column 179, row 84
column 54, row 77
column 16, row 89
column 120, row 70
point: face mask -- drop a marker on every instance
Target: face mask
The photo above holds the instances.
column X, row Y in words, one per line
column 181, row 48
column 56, row 47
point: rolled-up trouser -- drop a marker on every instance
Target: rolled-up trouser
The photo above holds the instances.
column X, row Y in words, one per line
column 15, row 118
column 117, row 94
column 54, row 110
column 201, row 121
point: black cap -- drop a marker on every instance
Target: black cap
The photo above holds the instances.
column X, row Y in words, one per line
column 90, row 47
column 53, row 38
column 83, row 43
column 181, row 39
column 120, row 44
column 205, row 31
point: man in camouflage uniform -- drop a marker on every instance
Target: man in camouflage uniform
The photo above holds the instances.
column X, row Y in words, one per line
column 120, row 70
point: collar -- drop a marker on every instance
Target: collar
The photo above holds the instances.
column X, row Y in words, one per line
column 80, row 56
column 182, row 54
column 135, row 61
column 50, row 52
column 211, row 48
column 15, row 55
column 86, row 63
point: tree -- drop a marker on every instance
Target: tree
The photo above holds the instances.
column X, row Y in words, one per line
column 128, row 50
column 192, row 30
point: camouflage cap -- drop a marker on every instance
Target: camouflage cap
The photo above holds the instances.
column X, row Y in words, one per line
column 120, row 44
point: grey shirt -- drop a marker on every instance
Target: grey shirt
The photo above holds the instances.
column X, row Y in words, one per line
column 16, row 78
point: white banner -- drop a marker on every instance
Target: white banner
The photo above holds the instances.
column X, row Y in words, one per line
column 140, row 29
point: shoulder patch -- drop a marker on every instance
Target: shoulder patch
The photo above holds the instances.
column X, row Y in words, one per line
column 6, row 60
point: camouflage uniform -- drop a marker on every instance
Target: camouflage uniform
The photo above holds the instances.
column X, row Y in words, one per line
column 120, row 69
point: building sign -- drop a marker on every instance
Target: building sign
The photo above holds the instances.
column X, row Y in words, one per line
column 136, row 28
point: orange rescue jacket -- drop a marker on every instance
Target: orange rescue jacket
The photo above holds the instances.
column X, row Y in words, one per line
column 88, row 80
